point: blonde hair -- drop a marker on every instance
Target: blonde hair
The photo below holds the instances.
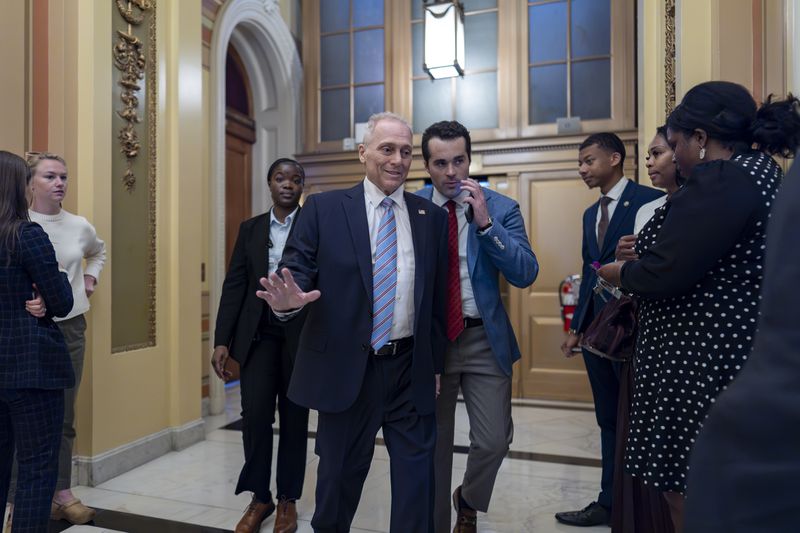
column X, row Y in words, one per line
column 34, row 158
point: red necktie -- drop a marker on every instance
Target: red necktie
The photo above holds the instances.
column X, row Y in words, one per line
column 455, row 319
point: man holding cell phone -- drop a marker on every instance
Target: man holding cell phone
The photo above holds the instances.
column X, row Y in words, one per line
column 486, row 237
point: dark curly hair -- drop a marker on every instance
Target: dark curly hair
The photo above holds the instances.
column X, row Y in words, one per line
column 727, row 112
column 281, row 160
column 608, row 142
column 445, row 130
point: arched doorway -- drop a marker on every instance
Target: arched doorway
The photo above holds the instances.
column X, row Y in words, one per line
column 271, row 62
column 240, row 135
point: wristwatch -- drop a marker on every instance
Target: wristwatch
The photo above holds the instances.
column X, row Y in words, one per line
column 486, row 227
column 571, row 331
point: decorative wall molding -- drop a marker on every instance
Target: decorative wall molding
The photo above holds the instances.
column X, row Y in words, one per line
column 272, row 7
column 131, row 61
column 91, row 471
column 134, row 54
column 669, row 57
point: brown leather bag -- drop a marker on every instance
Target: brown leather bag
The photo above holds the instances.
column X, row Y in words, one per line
column 612, row 333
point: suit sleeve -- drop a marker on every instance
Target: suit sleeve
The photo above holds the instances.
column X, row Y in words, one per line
column 300, row 252
column 234, row 290
column 507, row 244
column 38, row 258
column 587, row 280
column 439, row 327
column 704, row 222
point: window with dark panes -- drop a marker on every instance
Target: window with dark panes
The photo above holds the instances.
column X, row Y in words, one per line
column 472, row 100
column 352, row 76
column 569, row 60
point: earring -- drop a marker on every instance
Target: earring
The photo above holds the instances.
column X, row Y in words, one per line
column 702, row 153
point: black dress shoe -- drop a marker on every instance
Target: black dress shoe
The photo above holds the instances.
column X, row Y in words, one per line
column 593, row 514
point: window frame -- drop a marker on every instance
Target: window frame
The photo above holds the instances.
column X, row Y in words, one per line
column 512, row 73
column 623, row 67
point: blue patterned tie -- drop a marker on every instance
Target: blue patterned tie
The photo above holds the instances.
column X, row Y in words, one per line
column 384, row 277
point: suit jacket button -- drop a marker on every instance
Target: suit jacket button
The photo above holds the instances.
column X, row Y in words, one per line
column 363, row 347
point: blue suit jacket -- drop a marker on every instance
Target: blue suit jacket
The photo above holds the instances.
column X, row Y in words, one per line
column 329, row 249
column 505, row 249
column 633, row 197
column 33, row 354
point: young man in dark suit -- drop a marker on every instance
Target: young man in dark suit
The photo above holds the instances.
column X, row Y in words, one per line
column 265, row 348
column 482, row 347
column 600, row 165
column 369, row 263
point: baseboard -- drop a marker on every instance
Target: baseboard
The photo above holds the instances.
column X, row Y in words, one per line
column 91, row 471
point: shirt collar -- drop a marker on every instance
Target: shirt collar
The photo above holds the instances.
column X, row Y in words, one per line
column 440, row 199
column 274, row 220
column 375, row 196
column 616, row 190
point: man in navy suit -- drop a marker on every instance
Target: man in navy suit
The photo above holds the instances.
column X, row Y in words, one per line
column 369, row 263
column 486, row 237
column 600, row 163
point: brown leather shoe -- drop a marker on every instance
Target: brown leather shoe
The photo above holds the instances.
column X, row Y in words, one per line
column 467, row 519
column 286, row 519
column 255, row 513
column 73, row 512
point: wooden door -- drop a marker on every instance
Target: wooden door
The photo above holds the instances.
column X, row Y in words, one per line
column 553, row 210
column 239, row 139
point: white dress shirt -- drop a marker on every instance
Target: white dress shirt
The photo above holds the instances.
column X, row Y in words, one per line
column 468, row 306
column 615, row 193
column 278, row 233
column 403, row 317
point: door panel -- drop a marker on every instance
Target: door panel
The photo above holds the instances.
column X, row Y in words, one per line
column 555, row 211
column 239, row 138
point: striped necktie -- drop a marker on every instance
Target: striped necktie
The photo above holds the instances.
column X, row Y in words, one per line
column 384, row 277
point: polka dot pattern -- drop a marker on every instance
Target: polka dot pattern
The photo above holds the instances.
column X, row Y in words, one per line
column 690, row 347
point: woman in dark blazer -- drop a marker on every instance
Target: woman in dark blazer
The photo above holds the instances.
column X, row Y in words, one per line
column 34, row 363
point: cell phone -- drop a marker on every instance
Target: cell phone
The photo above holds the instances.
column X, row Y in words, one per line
column 468, row 213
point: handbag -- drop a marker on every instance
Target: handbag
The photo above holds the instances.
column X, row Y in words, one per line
column 612, row 333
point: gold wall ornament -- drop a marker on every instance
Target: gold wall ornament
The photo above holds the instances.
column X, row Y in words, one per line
column 669, row 57
column 134, row 165
column 130, row 60
column 131, row 16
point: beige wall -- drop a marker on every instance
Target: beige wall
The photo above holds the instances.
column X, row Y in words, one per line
column 13, row 85
column 752, row 42
column 130, row 395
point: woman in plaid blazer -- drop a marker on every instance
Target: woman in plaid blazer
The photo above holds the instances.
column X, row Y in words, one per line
column 34, row 363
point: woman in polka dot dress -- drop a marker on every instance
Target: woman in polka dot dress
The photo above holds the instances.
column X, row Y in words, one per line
column 699, row 282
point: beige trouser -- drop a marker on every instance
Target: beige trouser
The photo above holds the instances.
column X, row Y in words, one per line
column 74, row 331
column 471, row 366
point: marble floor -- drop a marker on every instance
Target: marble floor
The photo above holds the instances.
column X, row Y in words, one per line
column 553, row 466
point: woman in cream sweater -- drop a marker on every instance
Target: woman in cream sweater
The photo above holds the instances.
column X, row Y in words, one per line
column 74, row 240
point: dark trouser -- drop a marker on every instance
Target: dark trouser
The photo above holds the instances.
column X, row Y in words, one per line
column 265, row 378
column 74, row 331
column 604, row 379
column 30, row 421
column 346, row 441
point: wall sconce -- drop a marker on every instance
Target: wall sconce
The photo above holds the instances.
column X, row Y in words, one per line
column 444, row 39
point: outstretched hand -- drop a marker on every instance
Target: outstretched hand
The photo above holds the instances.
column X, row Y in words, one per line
column 284, row 295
